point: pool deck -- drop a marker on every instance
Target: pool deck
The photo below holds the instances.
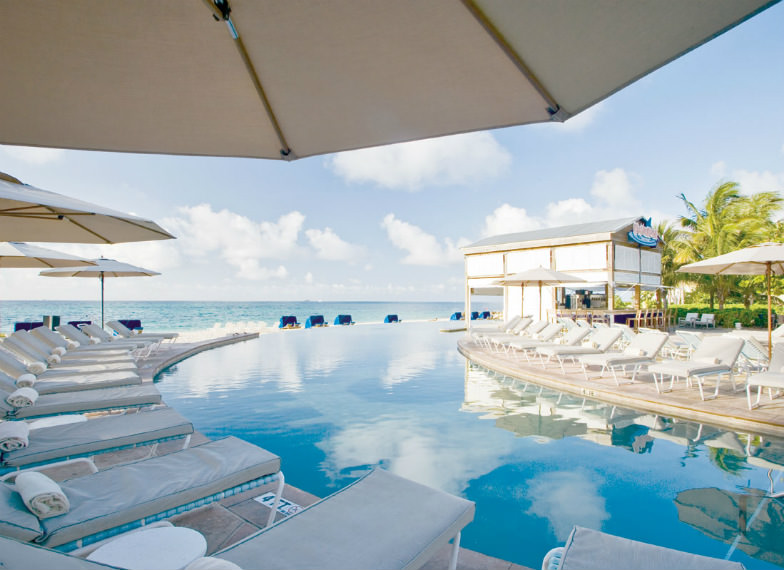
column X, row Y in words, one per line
column 229, row 520
column 729, row 410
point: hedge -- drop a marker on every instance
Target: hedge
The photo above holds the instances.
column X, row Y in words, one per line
column 756, row 316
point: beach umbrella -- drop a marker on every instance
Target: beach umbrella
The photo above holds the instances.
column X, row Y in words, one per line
column 259, row 78
column 23, row 255
column 28, row 213
column 539, row 276
column 752, row 521
column 762, row 259
column 103, row 268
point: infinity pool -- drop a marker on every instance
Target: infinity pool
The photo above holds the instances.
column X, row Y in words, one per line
column 334, row 402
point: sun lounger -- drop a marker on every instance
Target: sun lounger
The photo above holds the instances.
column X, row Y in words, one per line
column 17, row 554
column 588, row 548
column 134, row 494
column 72, row 333
column 315, row 321
column 600, row 341
column 40, row 351
column 391, row 319
column 716, row 356
column 98, row 333
column 545, row 335
column 643, row 349
column 14, row 367
column 514, row 328
column 289, row 322
column 54, row 339
column 772, row 379
column 82, row 401
column 71, row 383
column 572, row 338
column 380, row 521
column 688, row 320
column 124, row 332
column 99, row 435
column 706, row 320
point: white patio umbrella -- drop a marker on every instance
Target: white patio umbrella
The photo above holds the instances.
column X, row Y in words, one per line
column 23, row 255
column 270, row 79
column 103, row 268
column 28, row 213
column 762, row 259
column 539, row 276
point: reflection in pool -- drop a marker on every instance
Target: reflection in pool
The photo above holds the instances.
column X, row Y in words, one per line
column 334, row 402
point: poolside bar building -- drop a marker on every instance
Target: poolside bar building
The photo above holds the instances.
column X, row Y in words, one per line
column 610, row 256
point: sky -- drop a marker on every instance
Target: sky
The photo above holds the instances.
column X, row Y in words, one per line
column 386, row 224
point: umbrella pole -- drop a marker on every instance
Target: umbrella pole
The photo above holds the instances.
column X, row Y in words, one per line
column 101, row 299
column 770, row 314
column 540, row 300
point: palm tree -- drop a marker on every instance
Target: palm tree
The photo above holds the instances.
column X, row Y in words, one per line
column 728, row 221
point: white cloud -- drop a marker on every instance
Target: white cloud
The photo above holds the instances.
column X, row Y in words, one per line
column 612, row 187
column 582, row 120
column 422, row 248
column 718, row 169
column 566, row 499
column 507, row 219
column 238, row 240
column 752, row 182
column 452, row 160
column 308, row 278
column 34, row 155
column 330, row 246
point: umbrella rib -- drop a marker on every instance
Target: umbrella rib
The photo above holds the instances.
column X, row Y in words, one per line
column 221, row 10
column 555, row 110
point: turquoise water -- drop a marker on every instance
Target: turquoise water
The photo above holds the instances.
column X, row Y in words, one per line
column 189, row 315
column 334, row 402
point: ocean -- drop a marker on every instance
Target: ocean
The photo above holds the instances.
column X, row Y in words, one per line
column 199, row 315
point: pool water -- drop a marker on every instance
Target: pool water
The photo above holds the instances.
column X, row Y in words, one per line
column 334, row 402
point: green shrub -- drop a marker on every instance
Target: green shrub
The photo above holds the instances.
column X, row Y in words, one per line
column 756, row 316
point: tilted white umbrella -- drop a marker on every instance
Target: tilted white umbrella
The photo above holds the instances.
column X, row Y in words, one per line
column 271, row 79
column 28, row 213
column 23, row 255
column 762, row 259
column 103, row 268
column 539, row 276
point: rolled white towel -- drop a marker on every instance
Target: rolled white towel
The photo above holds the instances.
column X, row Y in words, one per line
column 94, row 340
column 53, row 359
column 22, row 398
column 72, row 344
column 36, row 368
column 212, row 563
column 26, row 381
column 41, row 495
column 13, row 435
column 59, row 350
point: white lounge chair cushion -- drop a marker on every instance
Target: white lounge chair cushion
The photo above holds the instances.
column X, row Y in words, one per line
column 631, row 351
column 15, row 520
column 707, row 360
column 42, row 496
column 379, row 521
column 587, row 548
column 685, row 368
column 767, row 380
column 26, row 381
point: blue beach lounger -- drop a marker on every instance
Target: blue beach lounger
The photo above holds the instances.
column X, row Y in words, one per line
column 288, row 322
column 315, row 321
column 474, row 315
column 343, row 320
column 485, row 315
column 456, row 316
column 391, row 319
column 134, row 494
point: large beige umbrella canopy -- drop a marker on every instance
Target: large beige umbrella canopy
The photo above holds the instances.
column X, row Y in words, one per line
column 28, row 213
column 539, row 276
column 103, row 268
column 762, row 259
column 272, row 79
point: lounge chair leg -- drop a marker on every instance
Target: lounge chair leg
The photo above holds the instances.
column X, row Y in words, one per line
column 278, row 495
column 455, row 552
